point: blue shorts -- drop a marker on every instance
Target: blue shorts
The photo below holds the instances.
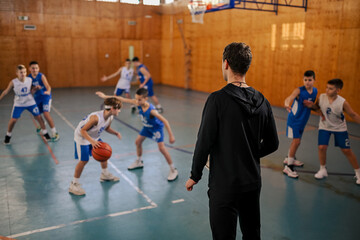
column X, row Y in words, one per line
column 17, row 111
column 84, row 151
column 149, row 87
column 44, row 103
column 156, row 134
column 294, row 132
column 341, row 138
column 119, row 91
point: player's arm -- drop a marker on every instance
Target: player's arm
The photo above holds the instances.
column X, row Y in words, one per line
column 93, row 121
column 6, row 91
column 126, row 100
column 146, row 75
column 166, row 123
column 105, row 78
column 354, row 115
column 47, row 85
column 290, row 99
column 112, row 131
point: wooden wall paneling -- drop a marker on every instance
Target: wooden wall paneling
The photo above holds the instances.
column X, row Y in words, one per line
column 152, row 56
column 350, row 17
column 130, row 30
column 63, row 7
column 31, row 49
column 85, row 62
column 34, row 19
column 216, row 52
column 109, row 28
column 138, row 48
column 151, row 27
column 31, row 6
column 84, row 27
column 167, row 66
column 84, row 8
column 7, row 5
column 59, row 58
column 201, row 65
column 109, row 65
column 57, row 25
column 108, row 9
column 176, row 77
column 7, row 23
column 8, row 60
column 348, row 66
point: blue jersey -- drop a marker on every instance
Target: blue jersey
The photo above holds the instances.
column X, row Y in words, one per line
column 300, row 114
column 37, row 81
column 148, row 120
column 142, row 77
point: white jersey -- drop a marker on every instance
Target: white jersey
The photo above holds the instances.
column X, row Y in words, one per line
column 334, row 114
column 125, row 78
column 23, row 96
column 95, row 131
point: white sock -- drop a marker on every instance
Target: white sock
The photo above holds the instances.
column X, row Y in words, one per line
column 357, row 172
column 158, row 106
column 138, row 159
column 8, row 134
column 290, row 161
column 44, row 131
column 172, row 166
column 322, row 167
column 104, row 171
column 76, row 180
column 53, row 131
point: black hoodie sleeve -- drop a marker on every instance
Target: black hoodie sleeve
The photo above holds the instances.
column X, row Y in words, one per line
column 206, row 137
column 270, row 141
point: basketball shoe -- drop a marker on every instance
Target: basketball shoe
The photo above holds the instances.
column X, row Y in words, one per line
column 47, row 137
column 321, row 173
column 297, row 163
column 290, row 172
column 135, row 165
column 173, row 174
column 7, row 140
column 55, row 138
column 108, row 177
column 76, row 189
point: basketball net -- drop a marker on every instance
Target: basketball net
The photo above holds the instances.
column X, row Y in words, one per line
column 197, row 10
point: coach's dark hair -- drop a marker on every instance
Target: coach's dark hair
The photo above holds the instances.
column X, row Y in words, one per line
column 309, row 73
column 33, row 62
column 112, row 102
column 239, row 57
column 337, row 82
column 135, row 59
column 142, row 92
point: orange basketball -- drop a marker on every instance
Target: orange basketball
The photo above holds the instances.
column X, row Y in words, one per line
column 102, row 153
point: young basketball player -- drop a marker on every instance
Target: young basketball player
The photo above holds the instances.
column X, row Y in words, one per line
column 123, row 86
column 299, row 114
column 332, row 107
column 146, row 82
column 42, row 97
column 153, row 128
column 87, row 136
column 23, row 100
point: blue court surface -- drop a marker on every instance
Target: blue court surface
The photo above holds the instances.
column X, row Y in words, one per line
column 35, row 177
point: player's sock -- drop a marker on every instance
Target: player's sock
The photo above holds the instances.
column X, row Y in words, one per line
column 158, row 106
column 76, row 180
column 53, row 131
column 104, row 171
column 172, row 166
column 290, row 161
column 357, row 172
column 322, row 167
column 44, row 131
column 8, row 134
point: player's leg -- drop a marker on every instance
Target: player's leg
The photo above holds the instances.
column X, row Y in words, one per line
column 127, row 95
column 173, row 173
column 46, row 105
column 323, row 142
column 44, row 132
column 138, row 163
column 342, row 141
column 82, row 153
column 105, row 174
column 153, row 97
column 15, row 115
column 294, row 134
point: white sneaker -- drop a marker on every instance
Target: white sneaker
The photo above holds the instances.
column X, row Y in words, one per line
column 290, row 173
column 321, row 174
column 173, row 174
column 357, row 180
column 76, row 189
column 108, row 177
column 296, row 163
column 135, row 165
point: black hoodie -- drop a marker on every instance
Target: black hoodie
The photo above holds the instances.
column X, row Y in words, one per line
column 237, row 129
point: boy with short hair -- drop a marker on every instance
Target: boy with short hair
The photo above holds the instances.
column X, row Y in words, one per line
column 42, row 96
column 87, row 136
column 146, row 82
column 123, row 85
column 332, row 107
column 153, row 128
column 23, row 100
column 299, row 113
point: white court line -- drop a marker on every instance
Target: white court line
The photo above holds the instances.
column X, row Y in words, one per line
column 178, row 201
column 152, row 203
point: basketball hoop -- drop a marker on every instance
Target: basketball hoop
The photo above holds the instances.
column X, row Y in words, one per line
column 197, row 10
